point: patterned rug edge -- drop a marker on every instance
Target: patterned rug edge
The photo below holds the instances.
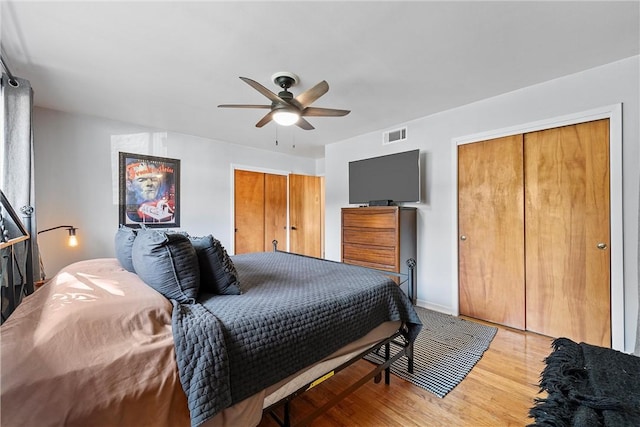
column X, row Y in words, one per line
column 445, row 351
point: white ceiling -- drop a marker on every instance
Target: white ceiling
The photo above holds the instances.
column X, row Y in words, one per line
column 167, row 65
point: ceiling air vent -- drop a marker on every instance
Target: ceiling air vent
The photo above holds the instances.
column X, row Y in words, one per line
column 393, row 136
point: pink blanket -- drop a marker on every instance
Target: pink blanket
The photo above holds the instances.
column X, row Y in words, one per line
column 92, row 347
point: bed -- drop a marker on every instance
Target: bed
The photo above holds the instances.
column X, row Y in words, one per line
column 98, row 346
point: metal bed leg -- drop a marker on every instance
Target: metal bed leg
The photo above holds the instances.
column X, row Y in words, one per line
column 387, row 356
column 411, row 280
column 410, row 358
column 287, row 415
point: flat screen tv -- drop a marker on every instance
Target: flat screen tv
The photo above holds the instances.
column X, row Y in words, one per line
column 392, row 178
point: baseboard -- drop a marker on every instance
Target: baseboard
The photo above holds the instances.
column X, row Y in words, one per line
column 436, row 307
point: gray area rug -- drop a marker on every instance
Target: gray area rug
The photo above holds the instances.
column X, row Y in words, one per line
column 446, row 349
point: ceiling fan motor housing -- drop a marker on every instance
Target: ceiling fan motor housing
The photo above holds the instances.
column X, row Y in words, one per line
column 286, row 95
column 285, row 79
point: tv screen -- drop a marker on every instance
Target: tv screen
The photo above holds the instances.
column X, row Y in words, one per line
column 394, row 177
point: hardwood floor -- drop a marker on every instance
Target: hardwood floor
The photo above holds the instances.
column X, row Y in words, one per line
column 498, row 391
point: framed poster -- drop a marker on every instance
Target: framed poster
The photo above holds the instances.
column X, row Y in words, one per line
column 149, row 191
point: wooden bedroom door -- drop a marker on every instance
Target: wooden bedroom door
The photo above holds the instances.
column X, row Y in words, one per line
column 491, row 231
column 275, row 211
column 260, row 211
column 305, row 214
column 249, row 211
column 567, row 232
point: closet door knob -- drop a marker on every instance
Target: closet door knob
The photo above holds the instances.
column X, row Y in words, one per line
column 602, row 246
column 463, row 237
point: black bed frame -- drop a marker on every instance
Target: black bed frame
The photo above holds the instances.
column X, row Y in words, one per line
column 397, row 339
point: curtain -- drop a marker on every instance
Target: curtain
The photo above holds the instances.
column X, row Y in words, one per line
column 16, row 156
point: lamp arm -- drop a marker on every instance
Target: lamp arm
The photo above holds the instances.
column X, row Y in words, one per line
column 55, row 228
column 72, row 242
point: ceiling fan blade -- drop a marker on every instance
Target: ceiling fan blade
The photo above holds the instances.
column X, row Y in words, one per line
column 266, row 119
column 242, row 106
column 307, row 97
column 324, row 112
column 263, row 90
column 302, row 123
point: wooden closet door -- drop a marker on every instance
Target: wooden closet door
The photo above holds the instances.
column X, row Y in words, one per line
column 275, row 211
column 305, row 213
column 491, row 231
column 249, row 211
column 567, row 232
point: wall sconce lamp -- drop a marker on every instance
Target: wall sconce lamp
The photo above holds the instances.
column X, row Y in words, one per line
column 73, row 242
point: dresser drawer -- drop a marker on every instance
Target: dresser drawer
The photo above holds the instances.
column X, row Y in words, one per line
column 369, row 236
column 391, row 269
column 381, row 256
column 356, row 218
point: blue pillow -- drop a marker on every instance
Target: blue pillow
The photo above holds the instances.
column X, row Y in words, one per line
column 124, row 243
column 168, row 263
column 218, row 275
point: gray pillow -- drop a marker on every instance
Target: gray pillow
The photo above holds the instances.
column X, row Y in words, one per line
column 218, row 275
column 124, row 243
column 168, row 263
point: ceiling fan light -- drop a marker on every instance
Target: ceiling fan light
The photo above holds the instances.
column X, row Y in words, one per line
column 285, row 118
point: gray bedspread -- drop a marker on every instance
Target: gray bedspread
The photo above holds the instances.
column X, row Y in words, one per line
column 293, row 312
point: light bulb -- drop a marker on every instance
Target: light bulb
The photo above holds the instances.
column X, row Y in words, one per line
column 285, row 118
column 73, row 240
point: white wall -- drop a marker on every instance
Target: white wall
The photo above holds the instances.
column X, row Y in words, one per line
column 76, row 179
column 607, row 85
column 76, row 160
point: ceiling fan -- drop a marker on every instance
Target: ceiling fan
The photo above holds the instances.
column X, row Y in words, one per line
column 286, row 109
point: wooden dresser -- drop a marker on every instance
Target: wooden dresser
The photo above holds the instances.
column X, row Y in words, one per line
column 382, row 237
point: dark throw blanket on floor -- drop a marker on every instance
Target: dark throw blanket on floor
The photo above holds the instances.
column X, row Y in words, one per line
column 588, row 386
